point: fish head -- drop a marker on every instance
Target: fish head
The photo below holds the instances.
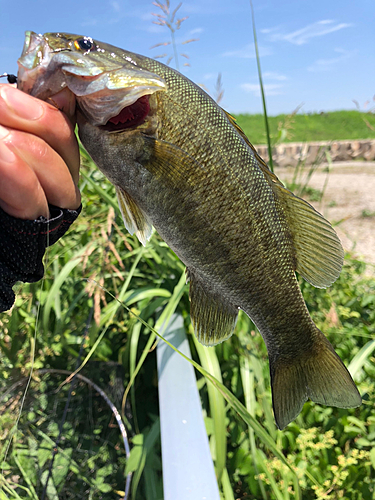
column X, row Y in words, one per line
column 103, row 79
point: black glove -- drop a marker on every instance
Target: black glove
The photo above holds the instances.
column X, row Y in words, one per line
column 22, row 246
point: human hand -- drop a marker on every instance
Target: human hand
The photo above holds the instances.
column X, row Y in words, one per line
column 39, row 155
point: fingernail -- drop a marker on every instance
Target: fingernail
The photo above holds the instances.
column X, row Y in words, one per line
column 4, row 132
column 22, row 104
column 6, row 155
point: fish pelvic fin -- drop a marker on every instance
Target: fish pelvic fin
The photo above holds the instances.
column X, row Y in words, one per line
column 212, row 317
column 318, row 374
column 135, row 219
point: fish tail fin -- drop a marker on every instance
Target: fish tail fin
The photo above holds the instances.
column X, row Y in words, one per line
column 318, row 374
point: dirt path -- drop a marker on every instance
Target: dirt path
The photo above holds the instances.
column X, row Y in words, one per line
column 349, row 200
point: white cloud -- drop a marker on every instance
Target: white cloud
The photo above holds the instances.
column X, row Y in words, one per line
column 266, row 31
column 269, row 88
column 195, row 31
column 272, row 75
column 327, row 64
column 303, row 35
column 248, row 52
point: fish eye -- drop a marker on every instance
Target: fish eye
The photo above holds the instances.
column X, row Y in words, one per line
column 83, row 44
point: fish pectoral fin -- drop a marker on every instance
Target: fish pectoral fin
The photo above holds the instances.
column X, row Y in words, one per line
column 318, row 374
column 212, row 317
column 135, row 219
column 169, row 161
column 318, row 250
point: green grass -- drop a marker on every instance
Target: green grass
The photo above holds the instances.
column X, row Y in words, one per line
column 335, row 125
column 330, row 449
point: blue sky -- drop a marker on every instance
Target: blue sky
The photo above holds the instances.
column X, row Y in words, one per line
column 320, row 53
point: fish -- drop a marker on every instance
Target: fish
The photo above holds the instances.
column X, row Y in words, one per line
column 182, row 165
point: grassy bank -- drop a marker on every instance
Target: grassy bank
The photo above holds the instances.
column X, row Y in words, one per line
column 336, row 125
column 330, row 450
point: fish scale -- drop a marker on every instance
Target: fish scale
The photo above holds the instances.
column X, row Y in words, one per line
column 189, row 170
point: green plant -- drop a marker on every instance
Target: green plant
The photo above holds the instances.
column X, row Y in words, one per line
column 168, row 19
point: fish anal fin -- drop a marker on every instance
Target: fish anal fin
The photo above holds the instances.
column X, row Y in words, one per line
column 319, row 375
column 213, row 318
column 135, row 219
column 318, row 250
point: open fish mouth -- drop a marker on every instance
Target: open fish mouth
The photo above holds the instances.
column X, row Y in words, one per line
column 130, row 116
column 72, row 72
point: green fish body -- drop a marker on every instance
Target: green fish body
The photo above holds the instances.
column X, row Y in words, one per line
column 181, row 164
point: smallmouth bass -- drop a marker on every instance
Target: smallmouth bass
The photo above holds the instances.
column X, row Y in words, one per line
column 180, row 163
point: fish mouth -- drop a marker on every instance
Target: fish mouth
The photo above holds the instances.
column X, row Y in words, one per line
column 130, row 116
column 112, row 93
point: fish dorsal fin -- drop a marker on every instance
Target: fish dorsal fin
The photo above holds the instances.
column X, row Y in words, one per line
column 318, row 250
column 213, row 318
column 135, row 219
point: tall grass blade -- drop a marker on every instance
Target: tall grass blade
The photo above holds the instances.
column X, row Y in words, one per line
column 26, row 477
column 265, row 401
column 58, row 281
column 270, row 162
column 151, row 483
column 134, row 339
column 248, row 384
column 210, row 363
column 360, row 359
column 109, row 312
column 7, row 493
column 227, row 487
column 148, row 445
column 161, row 324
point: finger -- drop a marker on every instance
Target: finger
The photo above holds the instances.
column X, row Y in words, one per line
column 50, row 169
column 26, row 113
column 21, row 194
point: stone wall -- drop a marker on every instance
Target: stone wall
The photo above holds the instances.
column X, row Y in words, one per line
column 289, row 154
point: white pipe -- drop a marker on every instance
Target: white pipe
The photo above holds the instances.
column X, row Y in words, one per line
column 188, row 470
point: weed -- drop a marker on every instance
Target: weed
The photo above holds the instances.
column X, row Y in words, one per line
column 368, row 214
column 168, row 19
